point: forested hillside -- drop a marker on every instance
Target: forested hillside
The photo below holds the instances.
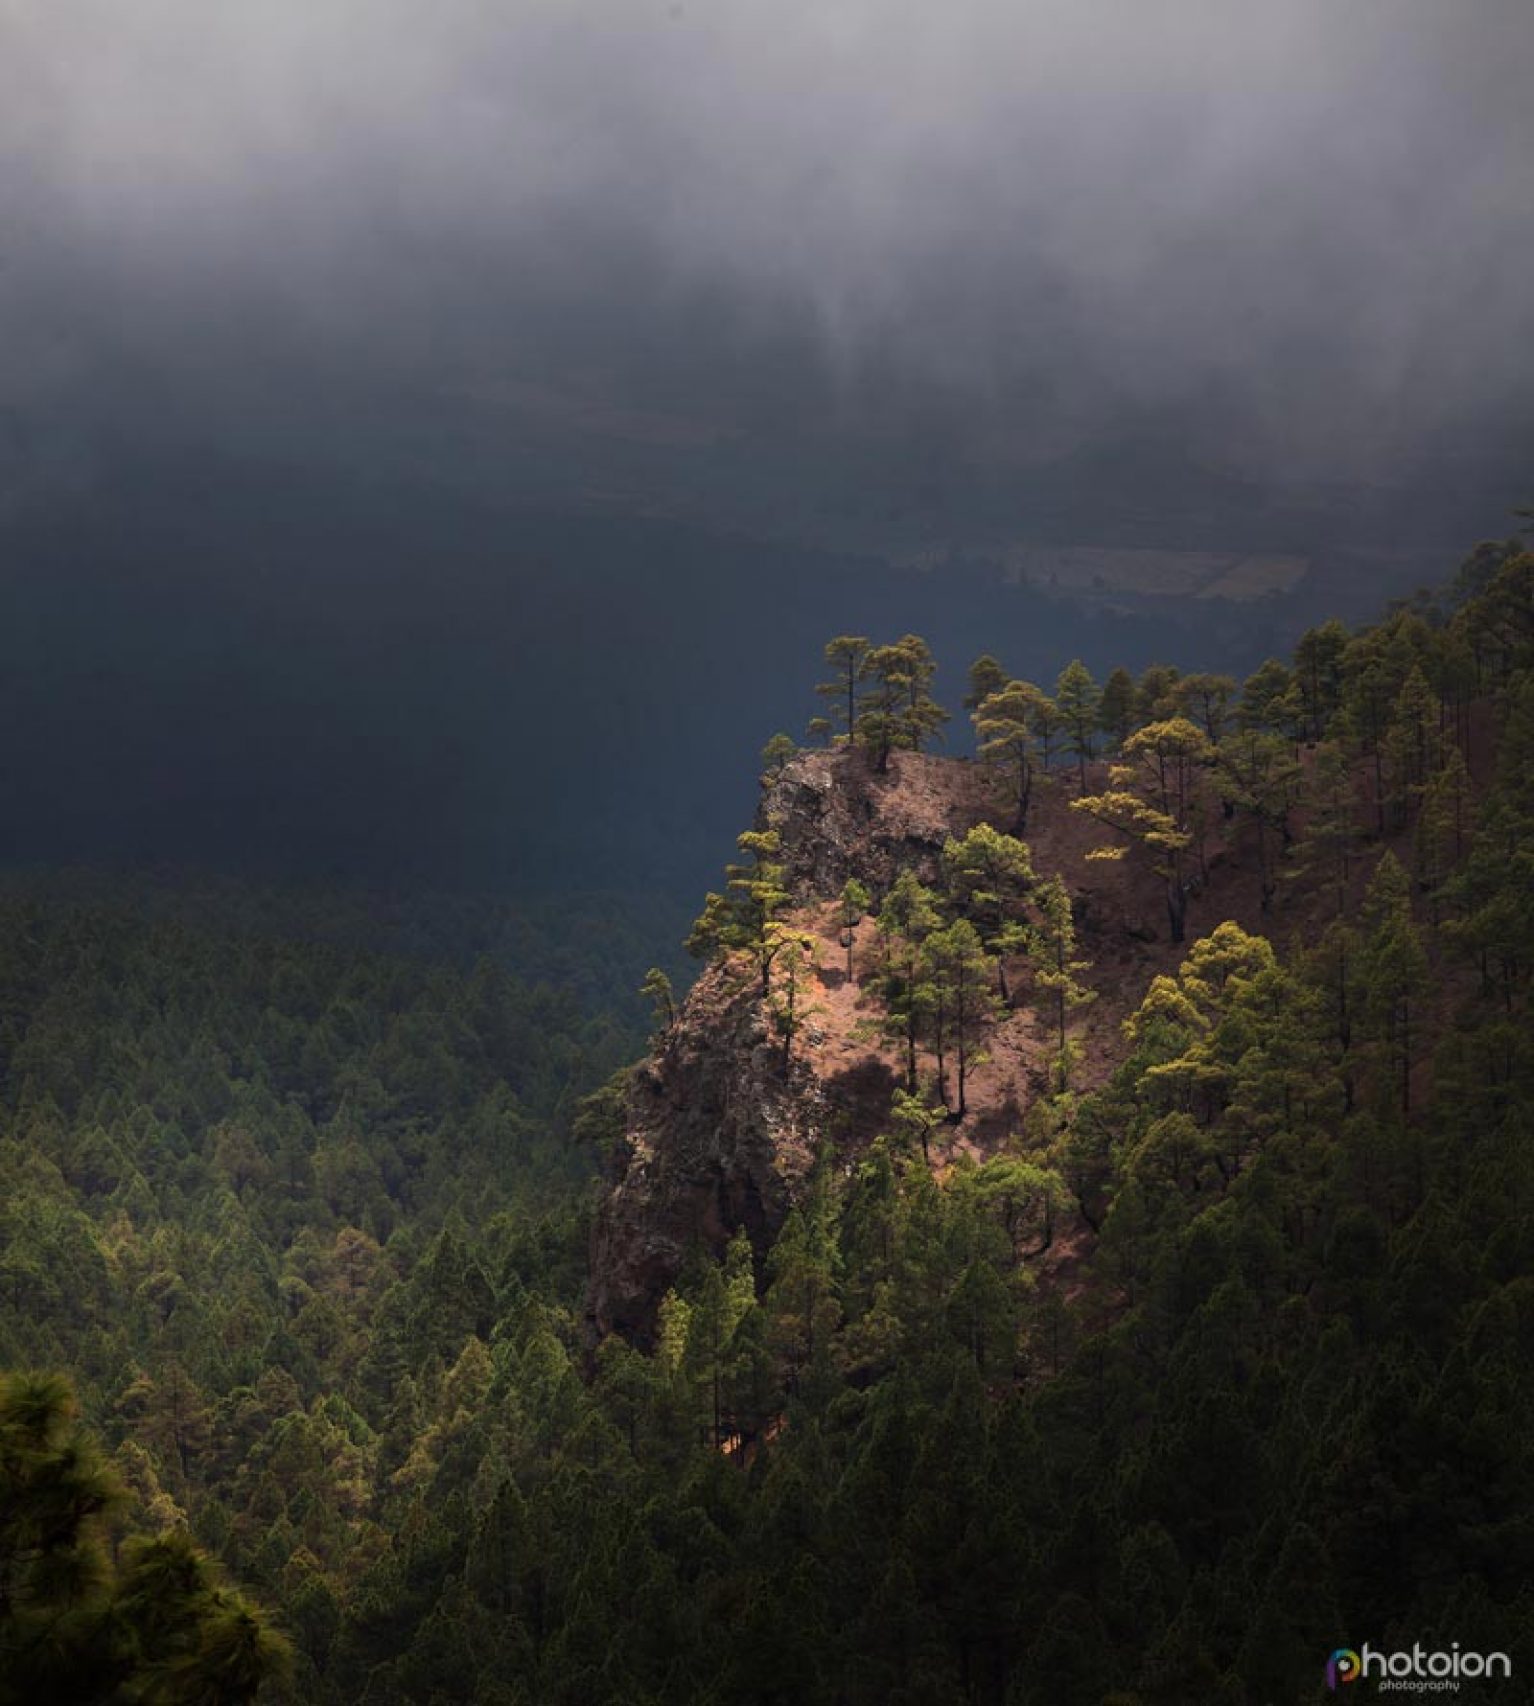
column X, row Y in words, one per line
column 253, row 1190
column 1203, row 1356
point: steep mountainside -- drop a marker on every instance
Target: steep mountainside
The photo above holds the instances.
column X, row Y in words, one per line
column 722, row 1122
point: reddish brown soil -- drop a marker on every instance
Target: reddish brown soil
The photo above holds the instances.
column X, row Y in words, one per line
column 1124, row 934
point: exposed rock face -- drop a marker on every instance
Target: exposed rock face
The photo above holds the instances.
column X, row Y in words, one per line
column 836, row 817
column 719, row 1130
column 717, row 1134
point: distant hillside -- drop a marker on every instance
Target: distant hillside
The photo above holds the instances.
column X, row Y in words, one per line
column 311, row 679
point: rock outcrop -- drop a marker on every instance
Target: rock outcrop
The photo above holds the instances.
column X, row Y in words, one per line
column 837, row 817
column 718, row 1132
column 720, row 1126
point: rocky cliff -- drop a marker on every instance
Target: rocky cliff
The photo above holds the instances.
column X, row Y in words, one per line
column 719, row 1128
column 837, row 817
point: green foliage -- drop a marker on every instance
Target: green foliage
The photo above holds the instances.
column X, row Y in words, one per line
column 907, row 918
column 1116, row 708
column 1327, row 847
column 961, row 1005
column 1205, row 699
column 853, row 904
column 1258, row 776
column 257, row 1195
column 657, row 986
column 1318, row 669
column 776, row 754
column 1271, row 701
column 741, row 919
column 1078, row 701
column 895, row 709
column 846, row 655
column 77, row 1623
column 1393, row 971
column 986, row 677
column 1056, row 969
column 1155, row 698
column 795, row 954
column 989, row 878
column 1152, row 798
column 1006, row 725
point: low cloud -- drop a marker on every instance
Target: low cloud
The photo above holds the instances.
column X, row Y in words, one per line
column 1302, row 233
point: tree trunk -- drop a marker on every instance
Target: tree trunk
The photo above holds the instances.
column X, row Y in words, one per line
column 1176, row 908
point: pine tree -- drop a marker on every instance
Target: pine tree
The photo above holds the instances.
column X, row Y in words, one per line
column 776, row 754
column 986, row 677
column 1414, row 745
column 151, row 1624
column 989, row 877
column 1046, row 723
column 801, row 1303
column 907, row 918
column 738, row 920
column 1318, row 671
column 1373, row 669
column 1078, row 701
column 1155, row 698
column 846, row 655
column 706, row 1355
column 1478, row 570
column 852, row 908
column 792, row 962
column 1393, row 973
column 1150, row 799
column 171, row 1415
column 1258, row 775
column 1330, row 969
column 1116, row 708
column 1270, row 701
column 962, row 1006
column 1504, row 618
column 1330, row 800
column 1056, row 968
column 1205, row 699
column 1028, row 1197
column 657, row 987
column 1443, row 828
column 896, row 710
column 914, row 1116
column 750, row 1392
column 1493, row 891
column 1005, row 730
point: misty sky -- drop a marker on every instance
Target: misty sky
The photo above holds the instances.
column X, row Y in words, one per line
column 303, row 304
column 1001, row 226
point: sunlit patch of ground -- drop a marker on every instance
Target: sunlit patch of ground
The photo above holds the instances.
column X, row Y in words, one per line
column 1088, row 570
column 1255, row 577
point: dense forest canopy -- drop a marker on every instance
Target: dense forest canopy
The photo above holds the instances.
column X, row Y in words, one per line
column 305, row 1227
